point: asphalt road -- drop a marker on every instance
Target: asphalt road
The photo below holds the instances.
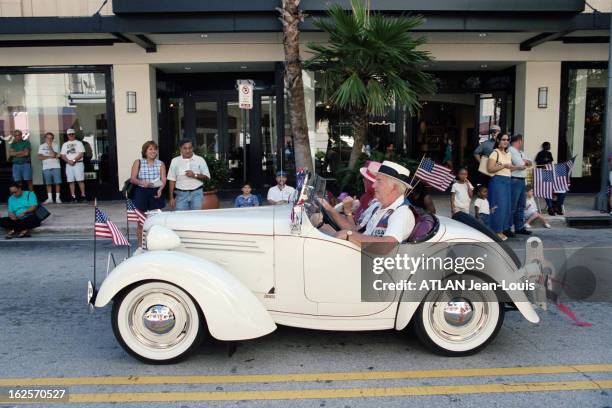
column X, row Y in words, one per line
column 49, row 339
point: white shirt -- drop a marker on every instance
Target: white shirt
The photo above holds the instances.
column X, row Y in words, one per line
column 72, row 148
column 518, row 159
column 180, row 165
column 530, row 206
column 400, row 223
column 45, row 150
column 276, row 194
column 462, row 197
column 483, row 205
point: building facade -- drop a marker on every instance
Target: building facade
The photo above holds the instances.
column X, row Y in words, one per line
column 127, row 71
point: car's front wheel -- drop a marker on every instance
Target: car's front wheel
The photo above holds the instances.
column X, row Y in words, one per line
column 459, row 325
column 157, row 322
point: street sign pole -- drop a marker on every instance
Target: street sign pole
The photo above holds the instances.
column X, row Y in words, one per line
column 245, row 101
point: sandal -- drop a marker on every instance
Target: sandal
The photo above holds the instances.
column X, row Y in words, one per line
column 24, row 234
column 10, row 235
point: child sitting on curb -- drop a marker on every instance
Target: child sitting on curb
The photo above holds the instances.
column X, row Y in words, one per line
column 531, row 210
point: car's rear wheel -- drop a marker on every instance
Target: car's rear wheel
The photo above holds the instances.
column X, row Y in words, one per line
column 459, row 325
column 157, row 322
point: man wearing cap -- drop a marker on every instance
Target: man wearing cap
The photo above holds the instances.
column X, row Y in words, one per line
column 281, row 193
column 484, row 149
column 72, row 153
column 388, row 219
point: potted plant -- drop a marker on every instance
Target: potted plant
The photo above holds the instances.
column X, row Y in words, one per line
column 218, row 175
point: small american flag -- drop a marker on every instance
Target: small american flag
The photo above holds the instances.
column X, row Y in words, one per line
column 437, row 176
column 134, row 214
column 543, row 183
column 105, row 228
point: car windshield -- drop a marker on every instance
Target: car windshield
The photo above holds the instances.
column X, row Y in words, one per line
column 310, row 186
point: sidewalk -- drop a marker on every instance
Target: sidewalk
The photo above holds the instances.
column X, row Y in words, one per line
column 77, row 219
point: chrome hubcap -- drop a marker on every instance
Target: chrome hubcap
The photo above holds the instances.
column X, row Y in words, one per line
column 159, row 319
column 458, row 312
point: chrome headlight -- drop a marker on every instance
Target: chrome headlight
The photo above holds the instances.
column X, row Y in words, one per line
column 160, row 238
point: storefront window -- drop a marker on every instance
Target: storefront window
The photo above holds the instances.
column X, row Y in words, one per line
column 36, row 103
column 585, row 118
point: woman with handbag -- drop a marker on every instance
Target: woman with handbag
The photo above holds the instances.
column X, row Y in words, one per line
column 149, row 179
column 22, row 217
column 500, row 192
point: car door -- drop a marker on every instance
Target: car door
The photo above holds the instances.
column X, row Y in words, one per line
column 332, row 277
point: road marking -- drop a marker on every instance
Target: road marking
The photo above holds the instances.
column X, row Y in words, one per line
column 347, row 376
column 496, row 388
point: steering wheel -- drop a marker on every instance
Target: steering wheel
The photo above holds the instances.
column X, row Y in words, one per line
column 328, row 219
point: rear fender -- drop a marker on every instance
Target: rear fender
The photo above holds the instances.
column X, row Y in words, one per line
column 232, row 311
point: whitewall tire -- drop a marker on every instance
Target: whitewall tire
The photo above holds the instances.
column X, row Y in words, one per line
column 459, row 325
column 157, row 322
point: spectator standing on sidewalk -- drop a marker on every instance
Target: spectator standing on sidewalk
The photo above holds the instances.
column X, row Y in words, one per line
column 484, row 149
column 281, row 193
column 21, row 208
column 72, row 153
column 517, row 184
column 48, row 154
column 500, row 165
column 482, row 210
column 543, row 158
column 19, row 153
column 186, row 175
column 461, row 192
column 149, row 178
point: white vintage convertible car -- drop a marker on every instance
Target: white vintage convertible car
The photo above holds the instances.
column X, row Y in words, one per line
column 235, row 274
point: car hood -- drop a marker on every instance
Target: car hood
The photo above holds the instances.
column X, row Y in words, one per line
column 255, row 220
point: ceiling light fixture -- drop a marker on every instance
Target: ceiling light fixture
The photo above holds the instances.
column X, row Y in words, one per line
column 243, row 67
column 484, row 66
column 204, row 35
column 482, row 35
column 187, row 68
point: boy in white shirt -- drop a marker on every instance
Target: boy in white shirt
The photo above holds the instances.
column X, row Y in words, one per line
column 72, row 153
column 461, row 193
column 481, row 205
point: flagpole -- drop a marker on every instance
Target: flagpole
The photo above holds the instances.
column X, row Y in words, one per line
column 94, row 244
column 127, row 221
column 414, row 175
column 413, row 187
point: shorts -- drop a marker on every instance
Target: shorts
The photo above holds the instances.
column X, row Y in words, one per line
column 529, row 214
column 75, row 173
column 144, row 199
column 22, row 172
column 52, row 176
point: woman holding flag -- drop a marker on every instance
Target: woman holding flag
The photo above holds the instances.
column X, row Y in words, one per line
column 149, row 179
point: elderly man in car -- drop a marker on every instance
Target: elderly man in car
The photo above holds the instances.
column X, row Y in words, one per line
column 388, row 219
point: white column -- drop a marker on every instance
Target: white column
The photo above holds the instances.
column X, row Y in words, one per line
column 133, row 129
column 538, row 125
column 310, row 101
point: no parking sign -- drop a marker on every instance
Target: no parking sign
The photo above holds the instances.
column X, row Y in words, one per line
column 245, row 94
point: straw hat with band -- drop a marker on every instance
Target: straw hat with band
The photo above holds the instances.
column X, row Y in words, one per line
column 395, row 171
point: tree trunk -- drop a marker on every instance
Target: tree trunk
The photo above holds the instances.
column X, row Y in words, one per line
column 291, row 17
column 359, row 120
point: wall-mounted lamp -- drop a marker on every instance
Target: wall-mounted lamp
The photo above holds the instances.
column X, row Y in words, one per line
column 543, row 97
column 131, row 102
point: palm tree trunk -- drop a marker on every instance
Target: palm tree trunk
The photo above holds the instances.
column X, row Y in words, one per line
column 291, row 16
column 359, row 120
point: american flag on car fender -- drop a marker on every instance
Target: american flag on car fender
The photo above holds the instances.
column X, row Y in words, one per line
column 134, row 214
column 437, row 176
column 105, row 228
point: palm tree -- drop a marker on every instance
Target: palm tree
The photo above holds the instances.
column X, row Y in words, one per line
column 370, row 62
column 290, row 17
